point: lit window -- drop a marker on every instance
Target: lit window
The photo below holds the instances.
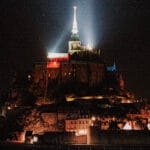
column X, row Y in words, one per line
column 148, row 126
column 29, row 77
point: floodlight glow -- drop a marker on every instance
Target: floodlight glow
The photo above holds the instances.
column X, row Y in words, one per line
column 58, row 56
column 89, row 46
column 87, row 23
column 57, row 45
column 75, row 26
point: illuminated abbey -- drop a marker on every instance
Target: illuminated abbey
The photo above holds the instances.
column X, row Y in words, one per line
column 78, row 99
column 82, row 65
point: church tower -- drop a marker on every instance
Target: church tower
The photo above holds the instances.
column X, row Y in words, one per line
column 75, row 25
column 74, row 43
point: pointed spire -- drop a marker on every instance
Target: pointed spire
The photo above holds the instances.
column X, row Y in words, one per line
column 75, row 26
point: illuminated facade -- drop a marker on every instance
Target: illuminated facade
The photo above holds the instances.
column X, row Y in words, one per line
column 82, row 72
column 83, row 110
column 81, row 64
column 79, row 126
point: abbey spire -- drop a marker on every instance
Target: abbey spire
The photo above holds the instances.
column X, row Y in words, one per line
column 74, row 35
column 74, row 44
column 75, row 26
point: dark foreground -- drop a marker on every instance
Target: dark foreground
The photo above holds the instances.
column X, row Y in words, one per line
column 8, row 146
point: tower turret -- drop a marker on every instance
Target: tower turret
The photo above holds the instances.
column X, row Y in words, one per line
column 75, row 26
column 74, row 43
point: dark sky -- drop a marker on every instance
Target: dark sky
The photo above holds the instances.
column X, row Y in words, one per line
column 121, row 28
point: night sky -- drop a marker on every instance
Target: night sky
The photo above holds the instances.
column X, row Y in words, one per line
column 120, row 28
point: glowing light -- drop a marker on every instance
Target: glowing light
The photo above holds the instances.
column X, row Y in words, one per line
column 31, row 141
column 148, row 126
column 93, row 118
column 29, row 77
column 9, row 108
column 89, row 46
column 58, row 56
column 112, row 68
column 70, row 97
column 75, row 26
column 81, row 132
column 127, row 126
column 35, row 139
column 54, row 64
column 73, row 97
column 59, row 40
column 89, row 24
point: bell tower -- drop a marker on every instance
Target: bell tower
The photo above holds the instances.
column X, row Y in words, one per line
column 75, row 26
column 74, row 43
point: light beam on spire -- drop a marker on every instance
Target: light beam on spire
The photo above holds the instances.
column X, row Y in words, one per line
column 75, row 26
